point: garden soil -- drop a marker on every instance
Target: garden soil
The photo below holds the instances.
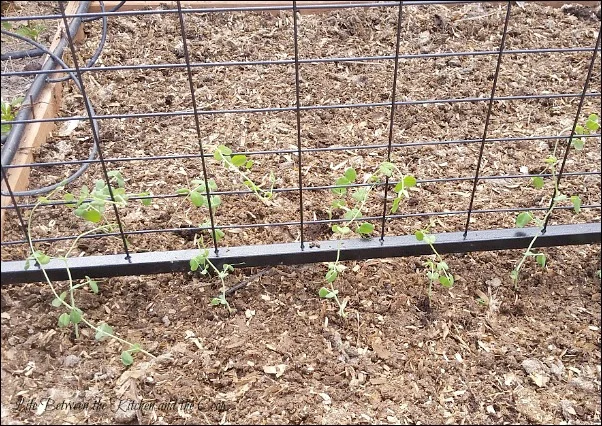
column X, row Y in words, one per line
column 480, row 352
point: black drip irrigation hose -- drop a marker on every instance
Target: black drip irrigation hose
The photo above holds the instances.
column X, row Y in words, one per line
column 12, row 142
column 33, row 53
column 20, row 54
column 101, row 44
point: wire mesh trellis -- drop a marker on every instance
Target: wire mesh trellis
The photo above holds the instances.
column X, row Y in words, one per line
column 469, row 237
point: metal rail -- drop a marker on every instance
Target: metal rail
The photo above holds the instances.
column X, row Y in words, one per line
column 292, row 254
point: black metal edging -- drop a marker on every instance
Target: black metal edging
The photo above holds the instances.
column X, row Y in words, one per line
column 290, row 253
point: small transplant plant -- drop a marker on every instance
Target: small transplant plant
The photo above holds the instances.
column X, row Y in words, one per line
column 198, row 190
column 592, row 124
column 89, row 205
column 9, row 113
column 437, row 270
column 204, row 266
column 353, row 208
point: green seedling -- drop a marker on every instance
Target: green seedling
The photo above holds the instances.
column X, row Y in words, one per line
column 437, row 270
column 240, row 164
column 204, row 266
column 353, row 206
column 30, row 30
column 73, row 315
column 9, row 110
column 91, row 204
column 197, row 193
column 525, row 218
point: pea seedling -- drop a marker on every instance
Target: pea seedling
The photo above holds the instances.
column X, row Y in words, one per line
column 197, row 194
column 202, row 264
column 238, row 163
column 353, row 211
column 437, row 270
column 89, row 206
column 524, row 218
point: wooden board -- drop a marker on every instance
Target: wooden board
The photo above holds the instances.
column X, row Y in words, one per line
column 47, row 105
column 138, row 5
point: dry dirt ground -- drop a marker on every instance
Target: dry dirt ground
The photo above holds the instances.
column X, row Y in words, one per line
column 480, row 352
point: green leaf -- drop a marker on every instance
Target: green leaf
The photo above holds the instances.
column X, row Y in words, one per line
column 395, row 205
column 342, row 181
column 386, row 168
column 352, row 214
column 360, row 194
column 514, row 275
column 409, row 181
column 324, row 293
column 442, row 266
column 419, row 235
column 537, row 182
column 58, row 301
column 194, row 264
column 91, row 215
column 249, row 164
column 41, row 258
column 446, row 281
column 576, row 203
column 365, row 228
column 337, row 204
column 331, row 275
column 551, row 160
column 239, row 160
column 216, row 301
column 212, row 185
column 251, row 185
column 116, row 174
column 93, row 285
column 340, row 229
column 218, row 235
column 104, row 331
column 579, row 130
column 221, row 151
column 75, row 316
column 523, row 219
column 432, row 276
column 350, row 174
column 578, row 143
column 216, row 201
column 64, row 320
column 146, row 201
column 593, row 122
column 126, row 358
column 196, row 199
column 541, row 259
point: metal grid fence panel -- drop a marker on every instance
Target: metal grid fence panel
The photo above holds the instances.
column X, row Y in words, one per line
column 470, row 237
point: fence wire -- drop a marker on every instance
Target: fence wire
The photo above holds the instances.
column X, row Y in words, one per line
column 77, row 73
